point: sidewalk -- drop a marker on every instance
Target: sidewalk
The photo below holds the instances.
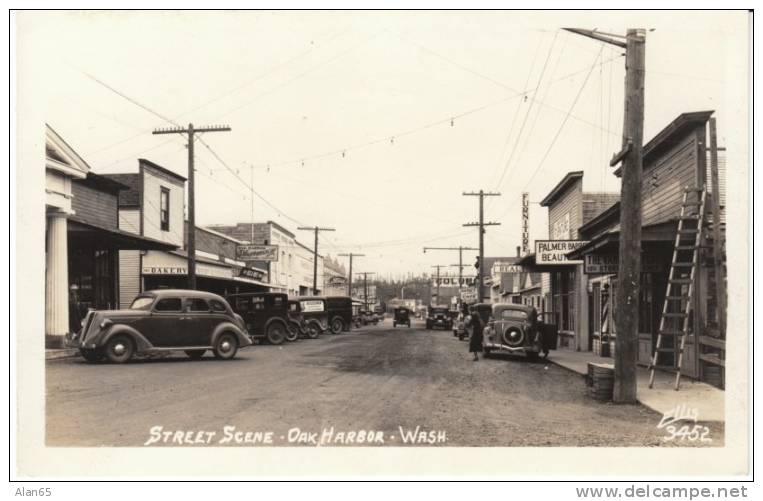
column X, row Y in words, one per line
column 58, row 353
column 708, row 400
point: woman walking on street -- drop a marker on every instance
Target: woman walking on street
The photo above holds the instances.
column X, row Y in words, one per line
column 475, row 340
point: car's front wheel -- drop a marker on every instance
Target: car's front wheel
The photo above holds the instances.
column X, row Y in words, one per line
column 119, row 349
column 291, row 335
column 276, row 333
column 313, row 330
column 195, row 354
column 226, row 346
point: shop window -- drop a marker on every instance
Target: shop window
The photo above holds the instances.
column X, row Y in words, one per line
column 164, row 209
column 563, row 299
column 168, row 304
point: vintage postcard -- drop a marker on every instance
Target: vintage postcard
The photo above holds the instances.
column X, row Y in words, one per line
column 382, row 243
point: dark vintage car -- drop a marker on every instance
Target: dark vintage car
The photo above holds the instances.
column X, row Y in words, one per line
column 161, row 321
column 339, row 313
column 266, row 314
column 314, row 307
column 515, row 328
column 402, row 317
column 298, row 325
column 439, row 316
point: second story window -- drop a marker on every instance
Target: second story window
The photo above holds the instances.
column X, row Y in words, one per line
column 164, row 209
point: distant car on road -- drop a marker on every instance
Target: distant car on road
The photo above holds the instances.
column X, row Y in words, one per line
column 266, row 314
column 439, row 316
column 402, row 317
column 161, row 321
column 515, row 328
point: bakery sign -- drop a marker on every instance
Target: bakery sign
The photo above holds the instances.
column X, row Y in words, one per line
column 256, row 252
column 554, row 252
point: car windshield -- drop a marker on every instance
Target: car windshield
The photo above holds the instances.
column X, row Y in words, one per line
column 514, row 314
column 141, row 303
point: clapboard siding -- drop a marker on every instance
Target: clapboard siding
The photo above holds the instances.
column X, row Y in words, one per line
column 664, row 181
column 570, row 202
column 94, row 206
column 129, row 276
column 596, row 203
column 129, row 220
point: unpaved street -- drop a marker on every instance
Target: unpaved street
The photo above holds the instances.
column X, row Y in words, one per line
column 376, row 380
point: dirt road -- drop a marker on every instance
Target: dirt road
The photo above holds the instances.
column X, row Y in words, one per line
column 367, row 387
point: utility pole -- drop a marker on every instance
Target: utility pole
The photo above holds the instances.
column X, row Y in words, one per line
column 349, row 285
column 191, row 247
column 481, row 224
column 365, row 286
column 315, row 229
column 631, row 156
column 437, row 281
column 460, row 264
column 718, row 245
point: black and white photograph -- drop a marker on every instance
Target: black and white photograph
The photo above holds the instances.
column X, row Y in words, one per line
column 337, row 243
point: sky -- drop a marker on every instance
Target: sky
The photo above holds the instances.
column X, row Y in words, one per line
column 373, row 123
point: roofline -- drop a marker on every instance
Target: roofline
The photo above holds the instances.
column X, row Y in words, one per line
column 104, row 181
column 280, row 228
column 675, row 127
column 218, row 234
column 68, row 150
column 557, row 190
column 143, row 161
column 603, row 216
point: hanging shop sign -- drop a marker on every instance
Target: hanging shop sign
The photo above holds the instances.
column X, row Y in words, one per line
column 525, row 223
column 453, row 281
column 468, row 296
column 500, row 267
column 337, row 281
column 251, row 273
column 554, row 252
column 608, row 264
column 257, row 252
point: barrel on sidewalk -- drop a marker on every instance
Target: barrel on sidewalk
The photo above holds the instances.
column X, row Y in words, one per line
column 601, row 381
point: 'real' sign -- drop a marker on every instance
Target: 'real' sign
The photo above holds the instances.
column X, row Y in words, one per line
column 256, row 252
column 554, row 252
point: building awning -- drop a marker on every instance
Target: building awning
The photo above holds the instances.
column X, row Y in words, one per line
column 609, row 242
column 86, row 234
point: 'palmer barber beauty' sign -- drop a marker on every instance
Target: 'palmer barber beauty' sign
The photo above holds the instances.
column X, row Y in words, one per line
column 555, row 251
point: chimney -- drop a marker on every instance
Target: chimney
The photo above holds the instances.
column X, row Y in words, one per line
column 519, row 253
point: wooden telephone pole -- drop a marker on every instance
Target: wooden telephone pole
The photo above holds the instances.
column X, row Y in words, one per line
column 631, row 156
column 365, row 286
column 191, row 246
column 349, row 285
column 460, row 264
column 481, row 224
column 315, row 229
column 437, row 282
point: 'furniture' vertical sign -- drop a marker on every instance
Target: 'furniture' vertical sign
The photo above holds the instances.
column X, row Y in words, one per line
column 525, row 223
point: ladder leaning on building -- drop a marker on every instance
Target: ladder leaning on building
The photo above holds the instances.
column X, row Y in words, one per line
column 676, row 310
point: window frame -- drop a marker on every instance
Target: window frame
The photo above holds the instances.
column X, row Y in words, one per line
column 164, row 225
column 171, row 298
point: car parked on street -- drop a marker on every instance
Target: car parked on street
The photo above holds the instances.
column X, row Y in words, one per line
column 266, row 314
column 515, row 328
column 402, row 317
column 315, row 307
column 339, row 313
column 162, row 321
column 439, row 316
column 300, row 327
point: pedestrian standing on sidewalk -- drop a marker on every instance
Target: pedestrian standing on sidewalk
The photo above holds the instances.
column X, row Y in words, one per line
column 475, row 339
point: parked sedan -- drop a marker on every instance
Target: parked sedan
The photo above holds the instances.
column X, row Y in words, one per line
column 160, row 321
column 514, row 328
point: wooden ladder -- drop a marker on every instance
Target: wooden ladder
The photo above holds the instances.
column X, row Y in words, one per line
column 676, row 310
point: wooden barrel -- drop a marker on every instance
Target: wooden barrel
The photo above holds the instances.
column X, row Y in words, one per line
column 601, row 381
